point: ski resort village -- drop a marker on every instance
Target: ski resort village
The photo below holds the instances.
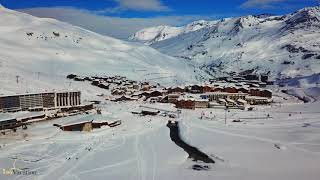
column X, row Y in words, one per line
column 236, row 98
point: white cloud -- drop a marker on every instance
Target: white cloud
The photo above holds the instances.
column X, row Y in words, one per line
column 145, row 5
column 265, row 4
column 112, row 26
column 136, row 5
column 260, row 3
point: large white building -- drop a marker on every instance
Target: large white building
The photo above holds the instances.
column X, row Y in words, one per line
column 47, row 100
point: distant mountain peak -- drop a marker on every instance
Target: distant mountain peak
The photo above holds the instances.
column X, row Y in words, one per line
column 263, row 15
column 304, row 18
column 285, row 46
column 163, row 32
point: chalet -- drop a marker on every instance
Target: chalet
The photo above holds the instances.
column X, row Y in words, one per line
column 117, row 92
column 79, row 78
column 137, row 94
column 109, row 80
column 172, row 98
column 222, row 78
column 155, row 93
column 71, row 76
column 149, row 94
column 217, row 89
column 230, row 90
column 252, row 85
column 130, row 92
column 96, row 77
column 215, row 96
column 266, row 93
column 82, row 126
column 264, row 78
column 145, row 87
column 88, row 79
column 185, row 103
column 136, row 86
column 251, row 77
column 126, row 83
column 255, row 100
column 154, row 99
column 243, row 90
column 104, row 85
column 262, row 84
column 128, row 86
column 95, row 82
column 254, row 92
column 117, row 82
column 195, row 89
column 270, row 82
column 105, row 78
column 201, row 103
column 238, row 78
column 206, row 89
column 176, row 90
column 124, row 98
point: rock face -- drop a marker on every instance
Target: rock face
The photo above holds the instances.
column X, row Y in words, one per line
column 260, row 43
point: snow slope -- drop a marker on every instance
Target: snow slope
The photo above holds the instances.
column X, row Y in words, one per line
column 43, row 51
column 280, row 147
column 159, row 33
column 285, row 46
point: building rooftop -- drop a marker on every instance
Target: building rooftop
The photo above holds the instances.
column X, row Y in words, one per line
column 34, row 93
column 225, row 93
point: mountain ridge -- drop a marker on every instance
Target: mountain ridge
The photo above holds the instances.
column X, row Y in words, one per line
column 284, row 46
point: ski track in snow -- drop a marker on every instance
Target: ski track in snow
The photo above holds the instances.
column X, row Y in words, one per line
column 271, row 141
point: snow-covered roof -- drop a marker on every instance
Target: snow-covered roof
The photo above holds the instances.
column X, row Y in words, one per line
column 256, row 98
column 36, row 93
column 242, row 101
column 184, row 98
column 201, row 100
column 230, row 100
column 224, row 93
column 19, row 115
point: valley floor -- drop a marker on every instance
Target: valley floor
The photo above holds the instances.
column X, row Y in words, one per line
column 284, row 146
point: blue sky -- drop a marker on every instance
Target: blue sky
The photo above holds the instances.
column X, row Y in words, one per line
column 120, row 18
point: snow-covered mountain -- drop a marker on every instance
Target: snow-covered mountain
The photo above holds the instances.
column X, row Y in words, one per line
column 283, row 46
column 35, row 51
column 159, row 33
